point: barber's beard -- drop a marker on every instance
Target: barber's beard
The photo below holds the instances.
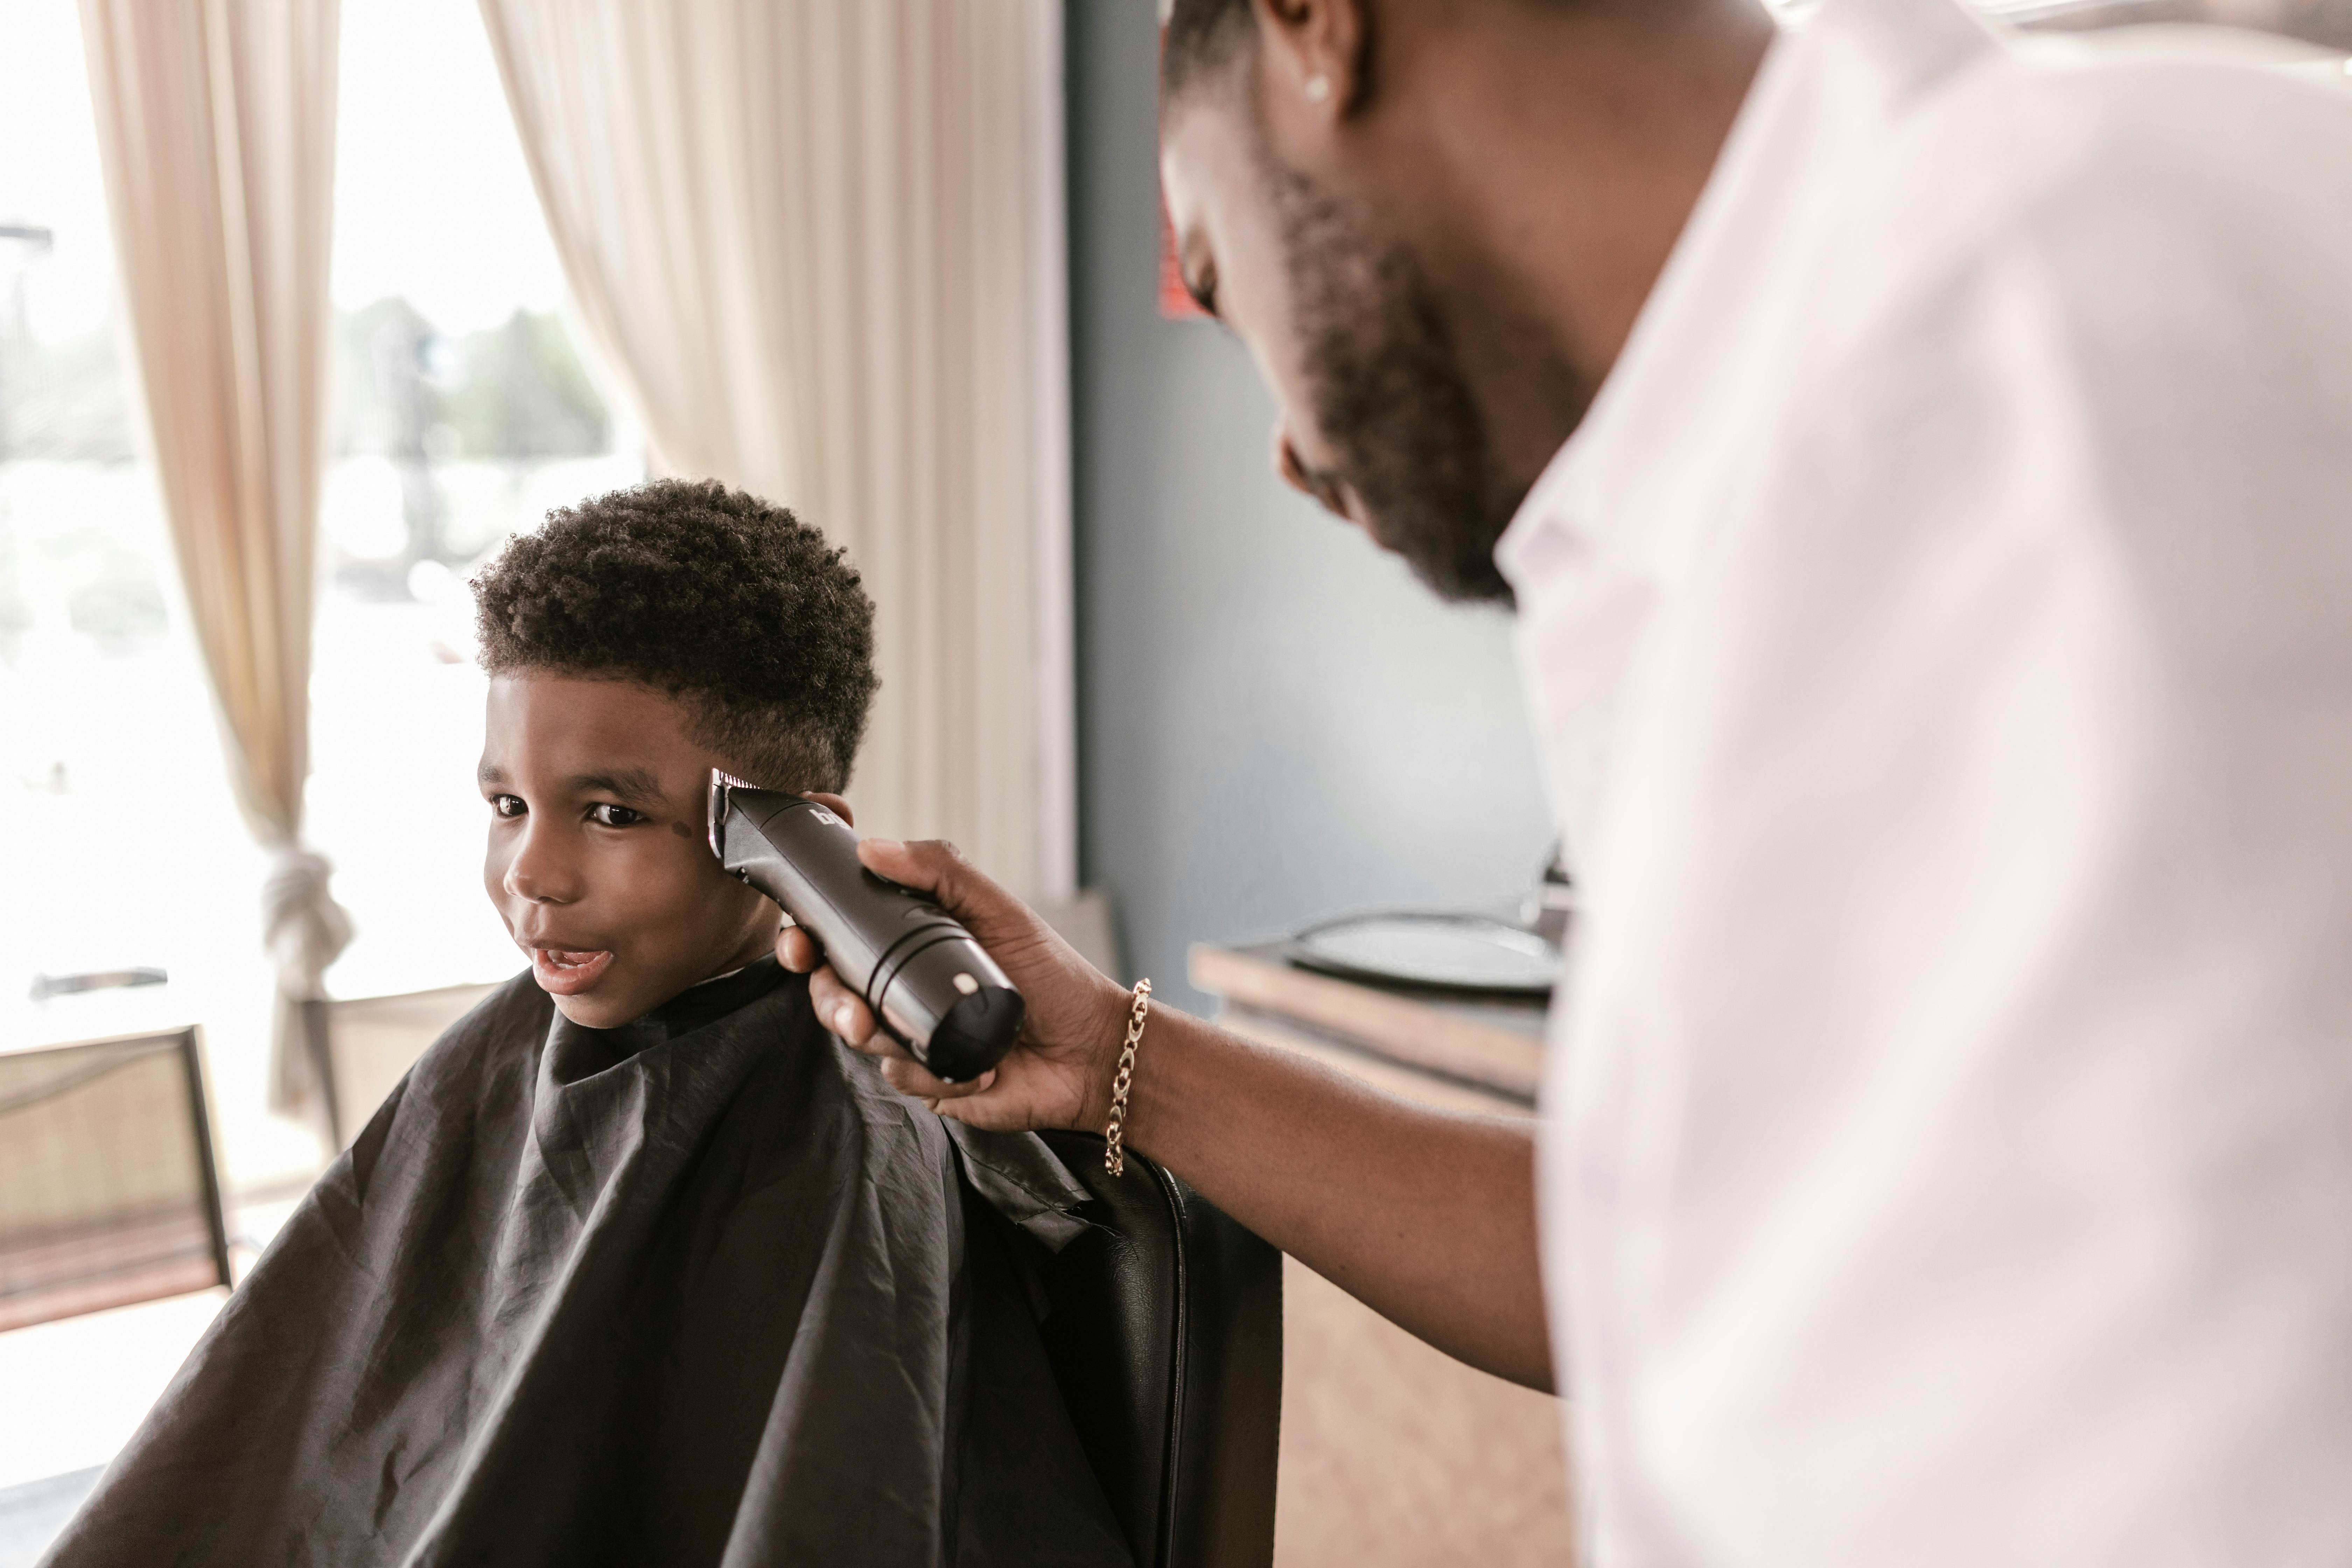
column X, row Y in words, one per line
column 1388, row 397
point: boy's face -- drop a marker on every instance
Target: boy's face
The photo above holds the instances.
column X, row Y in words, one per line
column 599, row 861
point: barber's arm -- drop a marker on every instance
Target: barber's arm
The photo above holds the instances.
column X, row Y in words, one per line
column 1426, row 1216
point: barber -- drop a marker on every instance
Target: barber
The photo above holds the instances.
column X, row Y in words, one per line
column 1939, row 634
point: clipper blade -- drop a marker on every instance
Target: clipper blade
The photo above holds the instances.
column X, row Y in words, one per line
column 715, row 816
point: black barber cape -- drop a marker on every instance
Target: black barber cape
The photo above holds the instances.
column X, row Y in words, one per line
column 698, row 1290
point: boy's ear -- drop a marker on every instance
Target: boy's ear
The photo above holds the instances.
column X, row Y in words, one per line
column 832, row 803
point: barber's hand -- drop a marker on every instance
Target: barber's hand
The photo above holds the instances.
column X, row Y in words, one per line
column 1058, row 1073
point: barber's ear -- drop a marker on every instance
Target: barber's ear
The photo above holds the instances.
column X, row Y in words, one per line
column 831, row 802
column 1316, row 49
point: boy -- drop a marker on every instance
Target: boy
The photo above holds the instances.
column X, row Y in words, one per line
column 638, row 1265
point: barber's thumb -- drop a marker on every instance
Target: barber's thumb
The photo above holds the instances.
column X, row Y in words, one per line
column 889, row 858
column 927, row 866
column 796, row 951
column 936, row 867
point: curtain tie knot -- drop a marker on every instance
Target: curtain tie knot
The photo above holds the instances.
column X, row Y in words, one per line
column 301, row 925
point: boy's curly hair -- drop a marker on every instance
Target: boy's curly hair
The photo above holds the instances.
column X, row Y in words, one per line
column 720, row 598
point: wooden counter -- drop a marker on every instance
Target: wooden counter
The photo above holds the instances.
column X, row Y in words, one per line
column 1494, row 1049
column 1393, row 1453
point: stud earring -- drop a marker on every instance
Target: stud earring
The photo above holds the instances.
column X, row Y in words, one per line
column 1318, row 88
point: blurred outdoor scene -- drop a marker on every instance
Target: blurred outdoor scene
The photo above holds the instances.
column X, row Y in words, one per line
column 461, row 411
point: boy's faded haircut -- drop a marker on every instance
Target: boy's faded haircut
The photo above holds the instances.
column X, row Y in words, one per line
column 726, row 602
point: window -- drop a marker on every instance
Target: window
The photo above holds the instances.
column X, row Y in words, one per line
column 117, row 831
column 460, row 411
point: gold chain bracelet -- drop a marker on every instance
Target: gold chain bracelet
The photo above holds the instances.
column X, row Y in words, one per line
column 1114, row 1156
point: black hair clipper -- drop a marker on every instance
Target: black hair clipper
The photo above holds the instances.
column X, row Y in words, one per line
column 928, row 982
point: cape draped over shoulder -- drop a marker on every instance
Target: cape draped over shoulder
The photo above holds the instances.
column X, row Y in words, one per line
column 701, row 1290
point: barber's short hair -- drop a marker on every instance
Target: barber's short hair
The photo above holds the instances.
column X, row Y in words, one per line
column 1201, row 37
column 726, row 602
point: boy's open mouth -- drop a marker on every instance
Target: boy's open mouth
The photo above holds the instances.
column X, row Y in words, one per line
column 566, row 971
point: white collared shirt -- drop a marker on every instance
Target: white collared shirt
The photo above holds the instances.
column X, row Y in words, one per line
column 1940, row 634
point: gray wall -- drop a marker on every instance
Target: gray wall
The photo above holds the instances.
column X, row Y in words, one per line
column 1275, row 721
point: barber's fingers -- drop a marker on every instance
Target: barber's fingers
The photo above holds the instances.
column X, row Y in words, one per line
column 844, row 1012
column 934, row 866
column 797, row 951
column 909, row 1078
column 924, row 865
column 929, row 867
column 848, row 1018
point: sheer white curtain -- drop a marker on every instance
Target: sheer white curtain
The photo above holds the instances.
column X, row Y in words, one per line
column 819, row 241
column 216, row 132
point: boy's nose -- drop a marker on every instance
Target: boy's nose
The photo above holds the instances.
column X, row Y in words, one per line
column 541, row 874
column 532, row 890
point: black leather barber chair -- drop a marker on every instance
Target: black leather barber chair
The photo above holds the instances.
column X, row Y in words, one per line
column 1166, row 1335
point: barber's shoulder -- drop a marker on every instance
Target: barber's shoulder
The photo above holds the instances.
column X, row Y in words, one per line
column 2093, row 168
column 2019, row 132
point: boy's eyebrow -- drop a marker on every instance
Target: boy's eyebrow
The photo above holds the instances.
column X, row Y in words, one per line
column 635, row 786
column 489, row 773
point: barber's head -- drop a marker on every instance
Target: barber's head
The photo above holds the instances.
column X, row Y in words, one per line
column 1432, row 221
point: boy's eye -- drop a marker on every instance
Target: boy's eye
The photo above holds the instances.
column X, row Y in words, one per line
column 507, row 804
column 612, row 815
